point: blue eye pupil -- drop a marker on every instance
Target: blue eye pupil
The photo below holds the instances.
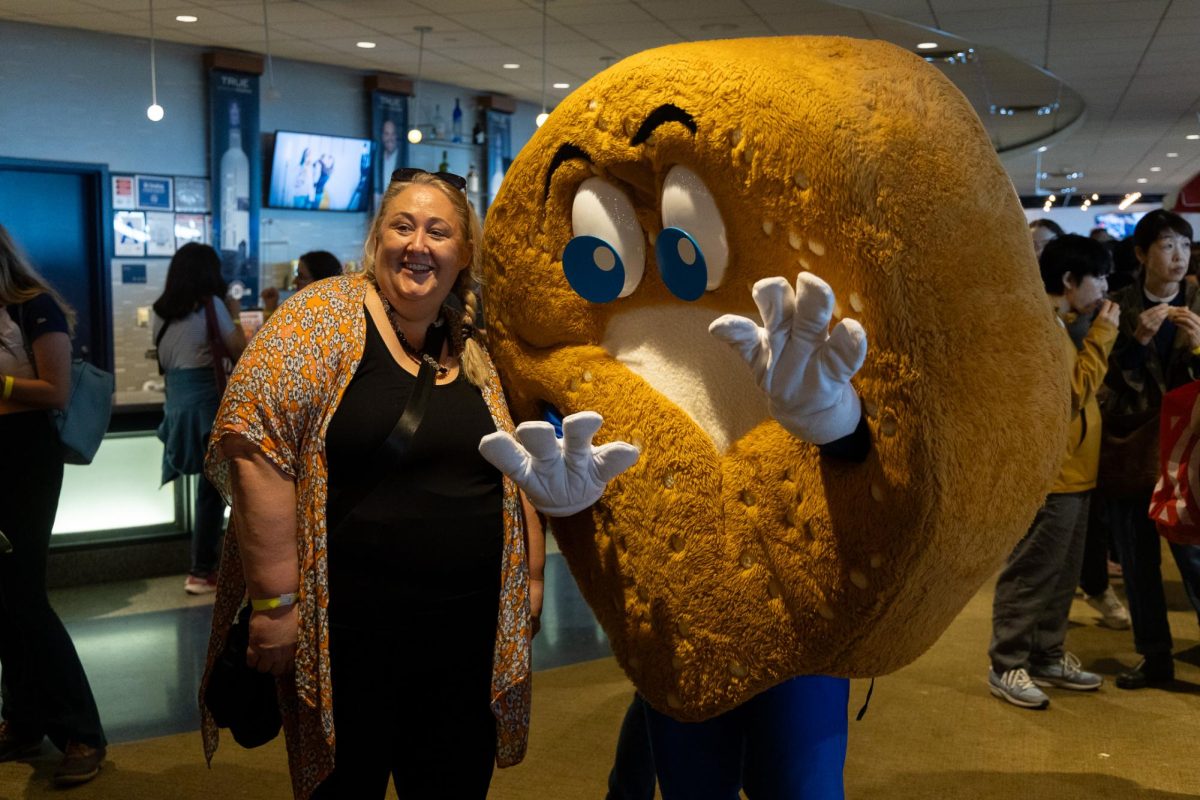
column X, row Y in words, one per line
column 681, row 264
column 594, row 269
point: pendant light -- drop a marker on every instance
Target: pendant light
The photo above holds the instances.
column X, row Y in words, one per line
column 414, row 132
column 542, row 117
column 155, row 112
column 272, row 93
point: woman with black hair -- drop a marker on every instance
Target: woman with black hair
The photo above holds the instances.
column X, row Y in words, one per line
column 189, row 317
column 313, row 266
column 45, row 690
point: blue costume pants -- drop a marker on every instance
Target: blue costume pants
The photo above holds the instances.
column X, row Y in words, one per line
column 787, row 743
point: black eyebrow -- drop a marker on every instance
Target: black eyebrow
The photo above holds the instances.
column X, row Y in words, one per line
column 661, row 116
column 563, row 154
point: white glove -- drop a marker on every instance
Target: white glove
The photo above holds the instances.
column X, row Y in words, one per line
column 805, row 372
column 560, row 477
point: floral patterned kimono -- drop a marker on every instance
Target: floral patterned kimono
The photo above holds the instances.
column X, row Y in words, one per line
column 281, row 397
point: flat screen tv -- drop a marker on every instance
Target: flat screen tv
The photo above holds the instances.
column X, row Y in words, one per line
column 315, row 171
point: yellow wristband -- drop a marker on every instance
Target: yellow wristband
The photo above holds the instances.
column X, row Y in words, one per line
column 1195, row 352
column 8, row 387
column 269, row 603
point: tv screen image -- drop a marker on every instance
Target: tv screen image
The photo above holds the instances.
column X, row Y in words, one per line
column 1119, row 225
column 313, row 171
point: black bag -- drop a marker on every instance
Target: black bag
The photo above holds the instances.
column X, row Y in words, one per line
column 240, row 697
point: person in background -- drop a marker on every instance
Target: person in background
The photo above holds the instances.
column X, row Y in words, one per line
column 1035, row 589
column 314, row 265
column 194, row 289
column 44, row 688
column 389, row 152
column 1158, row 349
column 1042, row 231
column 393, row 594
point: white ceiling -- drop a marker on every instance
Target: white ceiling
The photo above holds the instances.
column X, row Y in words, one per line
column 1130, row 66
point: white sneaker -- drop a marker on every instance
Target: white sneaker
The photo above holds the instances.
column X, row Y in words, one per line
column 1016, row 687
column 1066, row 673
column 1113, row 613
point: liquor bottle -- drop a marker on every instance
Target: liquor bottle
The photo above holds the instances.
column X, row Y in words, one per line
column 472, row 181
column 439, row 124
column 444, row 166
column 235, row 188
column 478, row 135
column 456, row 123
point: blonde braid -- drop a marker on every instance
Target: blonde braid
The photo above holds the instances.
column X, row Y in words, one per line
column 472, row 357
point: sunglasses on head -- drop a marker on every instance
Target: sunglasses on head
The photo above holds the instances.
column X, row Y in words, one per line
column 406, row 174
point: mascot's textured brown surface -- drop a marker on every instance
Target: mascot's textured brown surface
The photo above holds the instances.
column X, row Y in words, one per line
column 732, row 556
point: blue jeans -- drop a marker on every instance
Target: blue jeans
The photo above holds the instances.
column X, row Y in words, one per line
column 787, row 742
column 1141, row 563
column 208, row 528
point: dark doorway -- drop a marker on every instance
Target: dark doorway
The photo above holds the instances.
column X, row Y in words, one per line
column 55, row 212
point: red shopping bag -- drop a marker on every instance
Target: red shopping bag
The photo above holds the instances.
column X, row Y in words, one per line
column 1175, row 504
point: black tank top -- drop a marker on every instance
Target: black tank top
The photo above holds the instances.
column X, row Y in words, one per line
column 429, row 537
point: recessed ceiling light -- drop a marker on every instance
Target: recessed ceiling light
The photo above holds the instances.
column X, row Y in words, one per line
column 1043, row 149
column 562, row 86
column 1156, row 169
column 1143, row 180
column 1172, row 155
column 512, row 66
column 186, row 18
column 1193, row 136
column 365, row 45
column 927, row 46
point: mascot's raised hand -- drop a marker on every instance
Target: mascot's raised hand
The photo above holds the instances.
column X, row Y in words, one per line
column 804, row 370
column 564, row 476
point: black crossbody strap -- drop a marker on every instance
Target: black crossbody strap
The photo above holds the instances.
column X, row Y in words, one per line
column 397, row 442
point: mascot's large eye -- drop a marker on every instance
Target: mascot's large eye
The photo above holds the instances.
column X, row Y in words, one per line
column 607, row 256
column 692, row 249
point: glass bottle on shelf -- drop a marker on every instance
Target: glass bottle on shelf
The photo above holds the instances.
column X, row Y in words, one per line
column 235, row 188
column 444, row 166
column 456, row 123
column 439, row 123
column 472, row 181
column 478, row 136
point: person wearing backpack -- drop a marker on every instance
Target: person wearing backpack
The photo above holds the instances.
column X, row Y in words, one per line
column 45, row 689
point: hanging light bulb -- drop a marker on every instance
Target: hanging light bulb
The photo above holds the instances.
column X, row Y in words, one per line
column 414, row 133
column 155, row 112
column 272, row 94
column 542, row 117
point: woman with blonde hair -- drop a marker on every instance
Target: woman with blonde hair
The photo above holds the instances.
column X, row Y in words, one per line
column 45, row 689
column 394, row 575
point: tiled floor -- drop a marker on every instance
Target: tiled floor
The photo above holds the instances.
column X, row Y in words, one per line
column 143, row 645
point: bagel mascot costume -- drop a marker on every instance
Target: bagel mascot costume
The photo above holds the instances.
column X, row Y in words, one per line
column 782, row 293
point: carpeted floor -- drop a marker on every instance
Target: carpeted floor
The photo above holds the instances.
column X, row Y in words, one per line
column 932, row 731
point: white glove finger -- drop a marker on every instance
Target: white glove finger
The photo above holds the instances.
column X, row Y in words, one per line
column 776, row 303
column 843, row 352
column 741, row 334
column 578, row 430
column 814, row 307
column 504, row 453
column 614, row 458
column 539, row 439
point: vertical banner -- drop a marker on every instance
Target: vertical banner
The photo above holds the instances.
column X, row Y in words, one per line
column 499, row 150
column 389, row 128
column 236, row 179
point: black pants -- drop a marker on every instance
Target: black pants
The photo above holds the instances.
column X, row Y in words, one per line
column 43, row 684
column 1093, row 574
column 418, row 711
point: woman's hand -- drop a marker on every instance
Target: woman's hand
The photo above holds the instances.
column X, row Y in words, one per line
column 1189, row 323
column 270, row 300
column 272, row 645
column 537, row 590
column 1149, row 321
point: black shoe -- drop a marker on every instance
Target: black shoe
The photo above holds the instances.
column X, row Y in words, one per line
column 80, row 764
column 14, row 745
column 1152, row 671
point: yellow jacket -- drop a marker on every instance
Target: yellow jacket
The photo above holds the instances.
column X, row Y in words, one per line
column 1089, row 364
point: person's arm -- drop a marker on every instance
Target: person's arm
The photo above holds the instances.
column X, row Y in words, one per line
column 233, row 335
column 1091, row 361
column 264, row 521
column 52, row 387
column 535, row 547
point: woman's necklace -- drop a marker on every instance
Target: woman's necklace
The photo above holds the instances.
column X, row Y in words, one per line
column 416, row 355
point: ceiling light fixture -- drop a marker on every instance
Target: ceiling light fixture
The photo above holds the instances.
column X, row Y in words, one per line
column 1094, row 196
column 155, row 112
column 1191, row 137
column 927, row 46
column 365, row 45
column 1172, row 155
column 1143, row 180
column 562, row 86
column 414, row 133
column 1156, row 169
column 186, row 18
column 542, row 117
column 1129, row 200
column 272, row 94
column 512, row 66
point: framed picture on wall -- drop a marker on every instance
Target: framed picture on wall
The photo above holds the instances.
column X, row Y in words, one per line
column 122, row 192
column 129, row 233
column 154, row 193
column 190, row 228
column 191, row 195
column 160, row 233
